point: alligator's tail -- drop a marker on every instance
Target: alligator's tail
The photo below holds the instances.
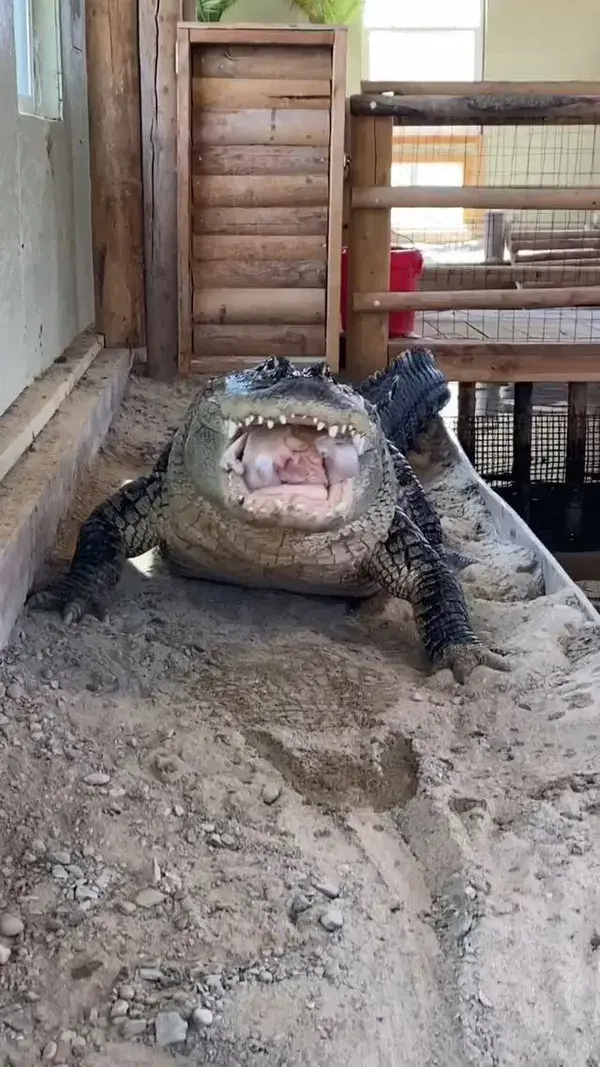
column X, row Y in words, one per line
column 408, row 395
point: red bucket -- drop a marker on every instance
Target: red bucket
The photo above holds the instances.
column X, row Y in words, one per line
column 406, row 267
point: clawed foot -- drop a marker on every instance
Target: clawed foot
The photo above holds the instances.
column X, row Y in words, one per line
column 456, row 560
column 462, row 659
column 71, row 603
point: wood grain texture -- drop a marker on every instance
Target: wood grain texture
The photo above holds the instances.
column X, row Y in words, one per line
column 157, row 35
column 116, row 171
column 472, row 196
column 284, row 127
column 260, row 159
column 266, row 191
column 262, row 61
column 336, row 199
column 266, row 307
column 183, row 201
column 237, row 273
column 501, row 361
column 481, row 109
column 566, row 88
column 252, row 248
column 264, row 221
column 482, row 277
column 250, row 33
column 231, row 94
column 495, row 299
column 259, row 342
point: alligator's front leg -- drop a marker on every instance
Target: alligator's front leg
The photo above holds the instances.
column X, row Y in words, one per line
column 409, row 568
column 124, row 526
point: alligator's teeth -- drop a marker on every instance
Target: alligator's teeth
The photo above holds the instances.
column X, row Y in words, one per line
column 270, row 424
column 343, row 428
column 249, row 420
column 315, row 420
column 240, row 500
column 333, row 431
column 259, row 420
column 359, row 443
column 232, row 428
column 320, row 426
column 283, row 420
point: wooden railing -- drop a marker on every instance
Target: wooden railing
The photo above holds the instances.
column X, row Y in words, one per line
column 372, row 197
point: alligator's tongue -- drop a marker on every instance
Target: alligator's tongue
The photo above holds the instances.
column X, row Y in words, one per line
column 296, row 455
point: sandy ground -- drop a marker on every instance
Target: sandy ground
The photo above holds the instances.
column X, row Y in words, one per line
column 252, row 829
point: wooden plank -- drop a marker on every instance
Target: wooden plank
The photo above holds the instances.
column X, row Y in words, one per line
column 465, row 429
column 522, row 427
column 483, row 277
column 576, row 432
column 112, row 57
column 157, row 21
column 557, row 255
column 227, row 94
column 32, row 410
column 336, row 200
column 271, row 307
column 253, row 33
column 283, row 127
column 305, row 221
column 481, row 109
column 554, row 239
column 259, row 274
column 566, row 88
column 260, row 159
column 266, row 191
column 494, row 236
column 473, row 299
column 262, row 61
column 368, row 247
column 501, row 361
column 183, row 201
column 526, row 198
column 259, row 342
column 211, row 247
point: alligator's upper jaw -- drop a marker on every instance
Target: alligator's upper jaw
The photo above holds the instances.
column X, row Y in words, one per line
column 298, row 471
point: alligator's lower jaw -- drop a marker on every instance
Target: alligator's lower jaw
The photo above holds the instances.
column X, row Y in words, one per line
column 305, row 507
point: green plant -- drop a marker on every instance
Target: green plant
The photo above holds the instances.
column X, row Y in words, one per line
column 329, row 12
column 212, row 10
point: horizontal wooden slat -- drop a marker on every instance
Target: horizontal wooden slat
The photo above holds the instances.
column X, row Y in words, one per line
column 499, row 361
column 557, row 255
column 252, row 248
column 472, row 299
column 270, row 191
column 250, row 33
column 262, row 61
column 259, row 342
column 268, row 307
column 264, row 221
column 480, row 109
column 227, row 94
column 555, row 239
column 482, row 277
column 286, row 127
column 472, row 196
column 260, row 274
column 566, row 88
column 260, row 159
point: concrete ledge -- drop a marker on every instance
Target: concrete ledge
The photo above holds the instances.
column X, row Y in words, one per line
column 38, row 490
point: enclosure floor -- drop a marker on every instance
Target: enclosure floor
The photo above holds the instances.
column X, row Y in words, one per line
column 566, row 324
column 242, row 758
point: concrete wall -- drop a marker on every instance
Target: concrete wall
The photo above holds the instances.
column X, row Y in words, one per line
column 46, row 286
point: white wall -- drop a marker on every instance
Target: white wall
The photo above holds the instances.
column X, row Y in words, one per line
column 46, row 281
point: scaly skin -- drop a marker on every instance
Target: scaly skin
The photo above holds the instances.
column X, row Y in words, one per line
column 390, row 539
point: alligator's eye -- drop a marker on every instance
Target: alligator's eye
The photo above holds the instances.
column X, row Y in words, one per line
column 318, row 370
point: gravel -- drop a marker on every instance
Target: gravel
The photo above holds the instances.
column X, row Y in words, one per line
column 150, row 898
column 332, row 920
column 270, row 793
column 203, row 1017
column 11, row 926
column 170, row 1029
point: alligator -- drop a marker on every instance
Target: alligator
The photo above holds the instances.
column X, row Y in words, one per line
column 285, row 477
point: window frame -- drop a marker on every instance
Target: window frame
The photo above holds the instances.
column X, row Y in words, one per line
column 40, row 38
column 478, row 32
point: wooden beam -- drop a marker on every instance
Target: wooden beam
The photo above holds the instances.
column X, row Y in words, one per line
column 473, row 299
column 501, row 361
column 556, row 238
column 157, row 35
column 335, row 211
column 566, row 88
column 558, row 255
column 478, row 276
column 184, row 192
column 494, row 236
column 466, row 418
column 368, row 247
column 263, row 307
column 252, row 32
column 473, row 196
column 116, row 171
column 481, row 109
column 522, row 433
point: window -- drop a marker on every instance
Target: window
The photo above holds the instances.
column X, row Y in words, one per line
column 38, row 57
column 434, row 40
column 425, row 220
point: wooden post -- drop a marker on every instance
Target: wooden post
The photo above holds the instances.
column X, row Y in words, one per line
column 116, row 170
column 494, row 236
column 466, row 418
column 522, row 430
column 575, row 460
column 157, row 35
column 369, row 246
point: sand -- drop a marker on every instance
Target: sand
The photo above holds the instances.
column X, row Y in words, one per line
column 270, row 766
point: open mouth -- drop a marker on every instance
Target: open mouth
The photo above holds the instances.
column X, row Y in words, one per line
column 297, row 467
